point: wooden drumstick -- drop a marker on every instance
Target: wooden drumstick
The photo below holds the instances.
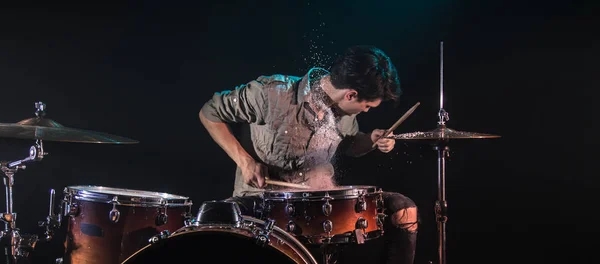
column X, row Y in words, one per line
column 286, row 184
column 404, row 117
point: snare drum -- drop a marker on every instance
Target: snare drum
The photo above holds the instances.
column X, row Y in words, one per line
column 106, row 225
column 220, row 227
column 343, row 214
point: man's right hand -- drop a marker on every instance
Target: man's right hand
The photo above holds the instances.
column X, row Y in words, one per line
column 254, row 173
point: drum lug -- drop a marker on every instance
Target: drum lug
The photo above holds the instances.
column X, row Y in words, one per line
column 361, row 204
column 114, row 215
column 291, row 227
column 327, row 226
column 379, row 201
column 162, row 217
column 263, row 209
column 290, row 210
column 327, row 207
column 380, row 218
column 188, row 219
column 160, row 236
column 70, row 208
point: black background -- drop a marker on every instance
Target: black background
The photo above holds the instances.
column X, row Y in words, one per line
column 526, row 71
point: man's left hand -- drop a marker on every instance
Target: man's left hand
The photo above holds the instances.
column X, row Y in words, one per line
column 385, row 145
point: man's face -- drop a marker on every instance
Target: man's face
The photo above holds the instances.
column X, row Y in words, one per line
column 350, row 105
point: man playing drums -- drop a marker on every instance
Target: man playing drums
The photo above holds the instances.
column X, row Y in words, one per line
column 298, row 123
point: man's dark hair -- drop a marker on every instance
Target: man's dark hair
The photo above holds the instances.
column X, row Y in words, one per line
column 369, row 71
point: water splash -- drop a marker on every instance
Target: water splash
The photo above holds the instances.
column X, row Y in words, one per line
column 317, row 42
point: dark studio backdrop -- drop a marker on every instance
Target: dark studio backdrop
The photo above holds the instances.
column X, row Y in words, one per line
column 525, row 71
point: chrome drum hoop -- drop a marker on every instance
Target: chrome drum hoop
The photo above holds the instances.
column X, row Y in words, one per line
column 341, row 192
column 126, row 197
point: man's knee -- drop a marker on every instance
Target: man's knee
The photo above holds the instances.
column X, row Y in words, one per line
column 406, row 218
column 402, row 210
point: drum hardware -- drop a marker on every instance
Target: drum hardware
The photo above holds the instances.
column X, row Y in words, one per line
column 290, row 210
column 158, row 237
column 290, row 227
column 38, row 128
column 14, row 243
column 53, row 220
column 114, row 215
column 162, row 217
column 262, row 237
column 361, row 205
column 188, row 219
column 219, row 212
column 328, row 219
column 439, row 138
column 327, row 207
column 221, row 223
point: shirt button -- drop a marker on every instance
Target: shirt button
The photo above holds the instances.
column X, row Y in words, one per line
column 285, row 131
column 300, row 173
column 234, row 100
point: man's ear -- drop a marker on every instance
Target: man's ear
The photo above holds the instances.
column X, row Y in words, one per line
column 351, row 94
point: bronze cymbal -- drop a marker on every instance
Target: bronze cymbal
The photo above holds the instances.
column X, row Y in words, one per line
column 442, row 133
column 50, row 130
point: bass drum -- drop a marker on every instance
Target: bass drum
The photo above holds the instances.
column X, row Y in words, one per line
column 237, row 239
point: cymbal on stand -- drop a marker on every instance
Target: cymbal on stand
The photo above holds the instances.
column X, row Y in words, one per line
column 441, row 133
column 50, row 130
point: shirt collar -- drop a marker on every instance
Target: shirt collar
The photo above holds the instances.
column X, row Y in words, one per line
column 306, row 83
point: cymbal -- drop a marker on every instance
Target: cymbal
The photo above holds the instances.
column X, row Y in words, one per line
column 442, row 133
column 50, row 130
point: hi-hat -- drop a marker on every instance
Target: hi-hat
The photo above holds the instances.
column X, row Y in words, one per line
column 442, row 133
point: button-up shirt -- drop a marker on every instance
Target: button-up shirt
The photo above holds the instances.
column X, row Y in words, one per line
column 286, row 133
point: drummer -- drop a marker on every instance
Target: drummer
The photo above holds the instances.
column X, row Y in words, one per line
column 298, row 123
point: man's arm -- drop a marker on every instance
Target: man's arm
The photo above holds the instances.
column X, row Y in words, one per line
column 222, row 135
column 244, row 104
column 359, row 145
column 363, row 143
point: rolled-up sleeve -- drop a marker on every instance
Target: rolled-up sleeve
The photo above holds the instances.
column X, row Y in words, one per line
column 246, row 103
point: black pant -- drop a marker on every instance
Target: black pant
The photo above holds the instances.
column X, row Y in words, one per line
column 397, row 245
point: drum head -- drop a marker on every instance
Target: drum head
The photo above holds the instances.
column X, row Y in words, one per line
column 208, row 247
column 125, row 196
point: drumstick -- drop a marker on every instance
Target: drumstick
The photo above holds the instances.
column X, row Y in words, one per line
column 287, row 184
column 404, row 117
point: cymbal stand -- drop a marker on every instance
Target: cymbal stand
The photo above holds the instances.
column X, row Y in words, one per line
column 10, row 237
column 441, row 205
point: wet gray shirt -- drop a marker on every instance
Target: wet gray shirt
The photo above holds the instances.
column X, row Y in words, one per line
column 285, row 132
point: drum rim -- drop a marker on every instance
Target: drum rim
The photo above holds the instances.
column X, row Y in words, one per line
column 225, row 227
column 344, row 191
column 94, row 193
